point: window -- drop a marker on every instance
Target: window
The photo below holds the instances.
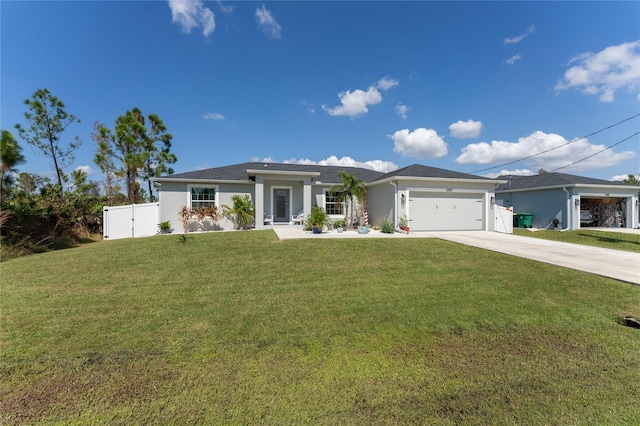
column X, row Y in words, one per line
column 334, row 203
column 202, row 197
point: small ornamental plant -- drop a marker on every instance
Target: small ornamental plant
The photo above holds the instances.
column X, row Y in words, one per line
column 403, row 223
column 164, row 227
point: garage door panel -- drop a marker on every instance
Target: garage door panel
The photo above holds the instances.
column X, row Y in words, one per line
column 445, row 212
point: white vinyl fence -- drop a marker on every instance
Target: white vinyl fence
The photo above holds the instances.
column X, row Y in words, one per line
column 132, row 221
column 503, row 219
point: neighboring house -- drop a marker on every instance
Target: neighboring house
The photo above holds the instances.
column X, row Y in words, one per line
column 431, row 198
column 559, row 200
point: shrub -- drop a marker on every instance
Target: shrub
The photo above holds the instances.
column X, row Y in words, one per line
column 386, row 225
column 340, row 223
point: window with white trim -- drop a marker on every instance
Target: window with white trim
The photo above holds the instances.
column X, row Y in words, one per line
column 202, row 197
column 334, row 203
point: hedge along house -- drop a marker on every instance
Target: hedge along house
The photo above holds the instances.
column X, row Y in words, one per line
column 559, row 200
column 431, row 198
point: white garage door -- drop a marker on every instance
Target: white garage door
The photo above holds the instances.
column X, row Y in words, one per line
column 445, row 212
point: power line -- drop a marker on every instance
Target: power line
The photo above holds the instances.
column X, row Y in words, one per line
column 593, row 155
column 560, row 146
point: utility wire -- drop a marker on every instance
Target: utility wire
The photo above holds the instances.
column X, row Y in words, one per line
column 593, row 155
column 560, row 146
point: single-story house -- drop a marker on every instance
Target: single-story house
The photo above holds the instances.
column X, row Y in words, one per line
column 431, row 198
column 559, row 200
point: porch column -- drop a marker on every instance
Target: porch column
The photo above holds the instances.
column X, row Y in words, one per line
column 259, row 202
column 306, row 197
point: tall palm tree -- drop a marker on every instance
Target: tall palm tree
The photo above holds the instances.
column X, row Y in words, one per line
column 352, row 189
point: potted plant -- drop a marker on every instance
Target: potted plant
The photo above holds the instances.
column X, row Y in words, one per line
column 317, row 219
column 164, row 227
column 340, row 225
column 403, row 223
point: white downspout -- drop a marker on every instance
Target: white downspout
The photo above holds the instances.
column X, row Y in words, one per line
column 395, row 204
column 568, row 210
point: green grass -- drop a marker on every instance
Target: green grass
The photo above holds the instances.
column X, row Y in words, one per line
column 610, row 240
column 241, row 328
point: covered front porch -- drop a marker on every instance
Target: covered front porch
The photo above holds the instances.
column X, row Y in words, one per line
column 282, row 194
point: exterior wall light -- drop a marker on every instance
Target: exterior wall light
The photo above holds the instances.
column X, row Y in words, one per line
column 577, row 202
column 402, row 200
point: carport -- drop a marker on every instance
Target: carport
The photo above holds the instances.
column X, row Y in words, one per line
column 608, row 212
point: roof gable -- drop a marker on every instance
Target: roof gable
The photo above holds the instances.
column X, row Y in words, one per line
column 420, row 171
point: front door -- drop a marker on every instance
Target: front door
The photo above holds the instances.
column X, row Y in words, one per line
column 281, row 200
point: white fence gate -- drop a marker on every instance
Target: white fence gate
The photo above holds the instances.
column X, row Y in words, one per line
column 132, row 221
column 503, row 219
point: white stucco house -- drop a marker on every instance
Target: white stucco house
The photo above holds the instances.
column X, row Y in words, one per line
column 559, row 200
column 431, row 198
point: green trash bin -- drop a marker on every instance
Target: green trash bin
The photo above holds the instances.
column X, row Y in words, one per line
column 524, row 220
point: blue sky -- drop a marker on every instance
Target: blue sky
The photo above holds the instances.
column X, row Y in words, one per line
column 464, row 86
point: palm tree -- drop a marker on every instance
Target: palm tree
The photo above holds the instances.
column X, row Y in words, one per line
column 352, row 189
column 632, row 179
column 241, row 213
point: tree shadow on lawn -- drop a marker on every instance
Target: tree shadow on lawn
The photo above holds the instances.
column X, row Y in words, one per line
column 607, row 239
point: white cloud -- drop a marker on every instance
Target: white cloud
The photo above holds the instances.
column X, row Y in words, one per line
column 386, row 83
column 354, row 104
column 377, row 165
column 504, row 151
column 516, row 172
column 421, row 143
column 224, row 8
column 192, row 14
column 309, row 106
column 267, row 23
column 465, row 129
column 512, row 60
column 214, row 116
column 87, row 169
column 264, row 160
column 620, row 178
column 518, row 39
column 603, row 73
column 402, row 110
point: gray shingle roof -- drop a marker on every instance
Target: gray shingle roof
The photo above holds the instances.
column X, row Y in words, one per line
column 550, row 180
column 418, row 170
column 328, row 174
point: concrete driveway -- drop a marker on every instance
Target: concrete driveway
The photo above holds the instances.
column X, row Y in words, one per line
column 617, row 264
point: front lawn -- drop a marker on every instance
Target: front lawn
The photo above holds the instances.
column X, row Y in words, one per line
column 240, row 328
column 610, row 240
